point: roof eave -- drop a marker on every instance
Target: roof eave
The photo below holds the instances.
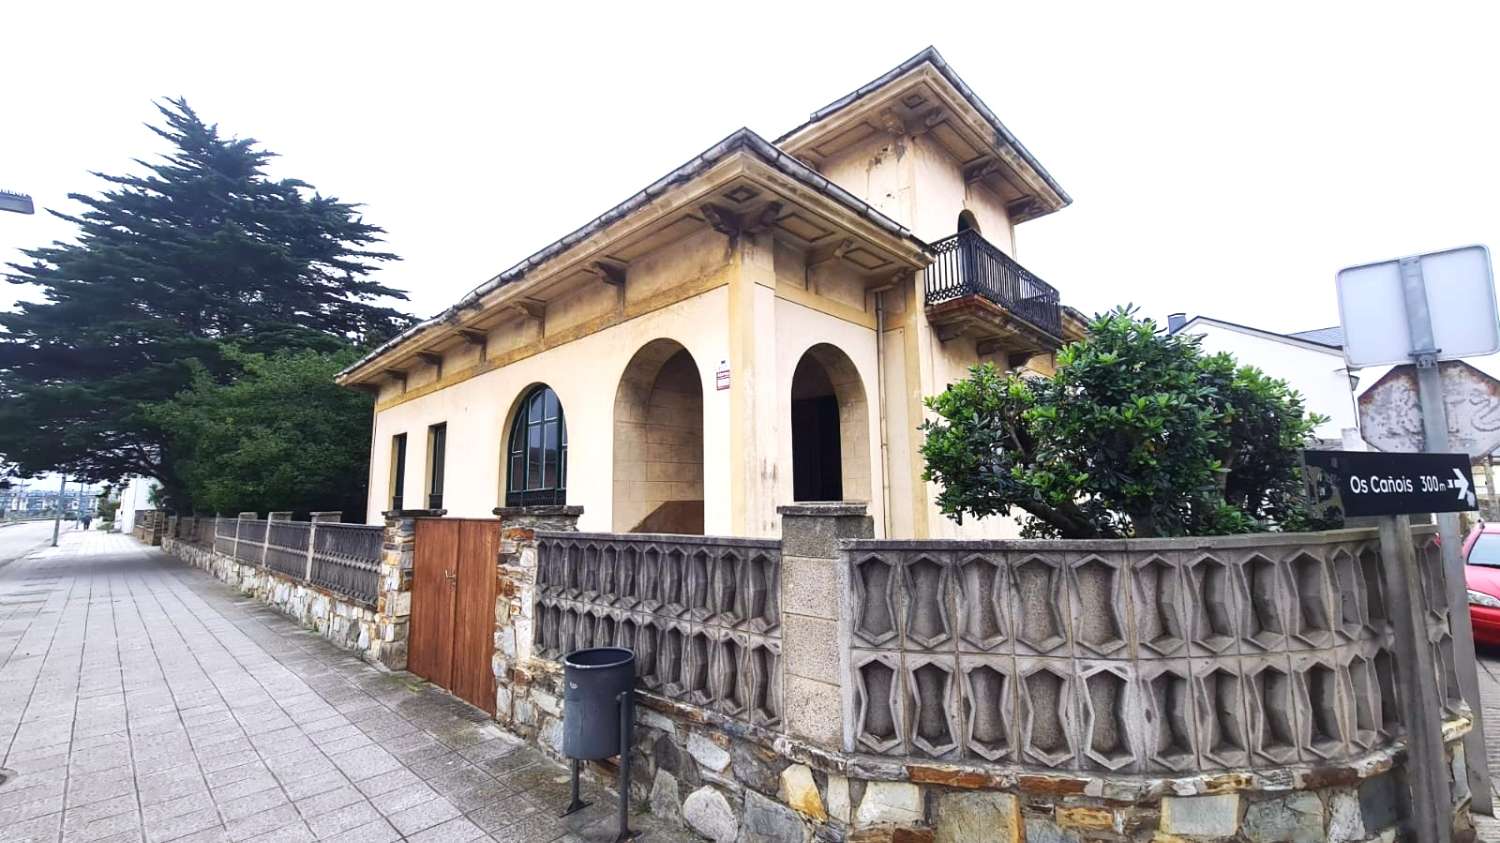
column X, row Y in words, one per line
column 742, row 140
column 1004, row 138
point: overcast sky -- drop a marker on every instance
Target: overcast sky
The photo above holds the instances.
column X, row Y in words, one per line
column 1221, row 164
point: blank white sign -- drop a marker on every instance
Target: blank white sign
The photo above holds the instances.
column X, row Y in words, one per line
column 1460, row 298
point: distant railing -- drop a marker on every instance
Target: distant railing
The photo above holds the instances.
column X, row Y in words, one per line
column 342, row 558
column 969, row 265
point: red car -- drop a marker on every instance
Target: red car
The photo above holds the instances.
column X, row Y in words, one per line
column 1482, row 576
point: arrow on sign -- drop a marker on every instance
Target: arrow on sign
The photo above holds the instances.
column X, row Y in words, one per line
column 1464, row 494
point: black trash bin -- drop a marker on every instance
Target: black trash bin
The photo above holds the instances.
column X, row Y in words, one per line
column 593, row 680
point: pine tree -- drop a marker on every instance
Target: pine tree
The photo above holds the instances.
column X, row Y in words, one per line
column 200, row 251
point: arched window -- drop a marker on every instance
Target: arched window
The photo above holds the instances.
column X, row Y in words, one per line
column 967, row 222
column 538, row 452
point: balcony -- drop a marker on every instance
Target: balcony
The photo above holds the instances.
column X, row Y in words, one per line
column 977, row 290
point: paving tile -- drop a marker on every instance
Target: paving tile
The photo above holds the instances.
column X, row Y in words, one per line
column 529, row 829
column 182, row 825
column 364, row 762
column 243, row 787
column 404, row 797
column 343, row 818
column 379, row 831
column 30, row 810
column 328, row 801
column 252, row 803
column 423, row 816
column 170, row 808
column 303, row 787
column 35, row 830
column 387, row 782
column 491, row 817
column 456, row 830
column 283, row 816
column 125, row 822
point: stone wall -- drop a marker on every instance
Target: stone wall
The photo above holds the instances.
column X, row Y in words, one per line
column 349, row 625
column 1272, row 725
column 378, row 633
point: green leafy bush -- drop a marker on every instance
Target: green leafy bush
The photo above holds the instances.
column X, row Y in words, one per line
column 1138, row 433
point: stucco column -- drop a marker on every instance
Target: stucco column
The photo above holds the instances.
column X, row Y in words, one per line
column 515, row 597
column 814, row 643
column 393, row 605
column 753, row 423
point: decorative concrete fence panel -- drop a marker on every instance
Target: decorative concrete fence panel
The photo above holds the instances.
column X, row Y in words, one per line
column 702, row 614
column 346, row 560
column 1149, row 656
column 827, row 684
column 287, row 546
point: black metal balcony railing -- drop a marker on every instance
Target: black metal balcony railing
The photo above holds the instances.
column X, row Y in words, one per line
column 968, row 265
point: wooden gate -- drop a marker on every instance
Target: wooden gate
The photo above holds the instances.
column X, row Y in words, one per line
column 454, row 566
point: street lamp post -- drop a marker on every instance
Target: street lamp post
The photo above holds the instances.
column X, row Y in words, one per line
column 57, row 521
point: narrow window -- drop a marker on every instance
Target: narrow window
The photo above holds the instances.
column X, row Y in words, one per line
column 398, row 469
column 437, row 450
column 538, row 452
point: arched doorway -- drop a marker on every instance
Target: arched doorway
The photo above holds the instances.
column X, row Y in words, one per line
column 658, row 453
column 830, row 428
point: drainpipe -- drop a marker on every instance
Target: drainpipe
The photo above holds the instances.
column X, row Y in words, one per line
column 885, row 458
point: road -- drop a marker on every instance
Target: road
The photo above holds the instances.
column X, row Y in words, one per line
column 20, row 539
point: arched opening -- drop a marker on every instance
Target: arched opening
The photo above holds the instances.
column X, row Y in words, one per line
column 830, row 428
column 658, row 477
column 537, row 451
column 967, row 222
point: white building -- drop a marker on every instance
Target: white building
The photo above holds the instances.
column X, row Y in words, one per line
column 1311, row 362
column 135, row 496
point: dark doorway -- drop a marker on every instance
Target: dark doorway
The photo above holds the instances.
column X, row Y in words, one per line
column 817, row 458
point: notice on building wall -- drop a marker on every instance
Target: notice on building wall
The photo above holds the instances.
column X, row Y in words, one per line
column 721, row 376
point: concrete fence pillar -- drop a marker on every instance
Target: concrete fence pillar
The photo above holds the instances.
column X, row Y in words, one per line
column 814, row 645
column 514, row 601
column 327, row 516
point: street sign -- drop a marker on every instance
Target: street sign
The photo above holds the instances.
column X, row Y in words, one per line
column 1390, row 411
column 1376, row 312
column 1365, row 483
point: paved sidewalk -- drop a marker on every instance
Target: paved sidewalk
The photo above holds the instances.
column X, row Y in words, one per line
column 142, row 699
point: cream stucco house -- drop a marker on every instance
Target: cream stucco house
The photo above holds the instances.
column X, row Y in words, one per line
column 757, row 327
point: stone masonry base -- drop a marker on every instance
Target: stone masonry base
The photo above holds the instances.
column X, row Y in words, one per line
column 734, row 783
column 348, row 625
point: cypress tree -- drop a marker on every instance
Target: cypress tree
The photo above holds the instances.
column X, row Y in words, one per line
column 199, row 251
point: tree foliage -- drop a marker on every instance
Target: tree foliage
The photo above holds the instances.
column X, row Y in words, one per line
column 281, row 436
column 199, row 250
column 1138, row 433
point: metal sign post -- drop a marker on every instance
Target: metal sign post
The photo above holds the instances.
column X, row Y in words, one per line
column 1427, row 308
column 1435, row 433
column 1391, row 486
column 1427, row 763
